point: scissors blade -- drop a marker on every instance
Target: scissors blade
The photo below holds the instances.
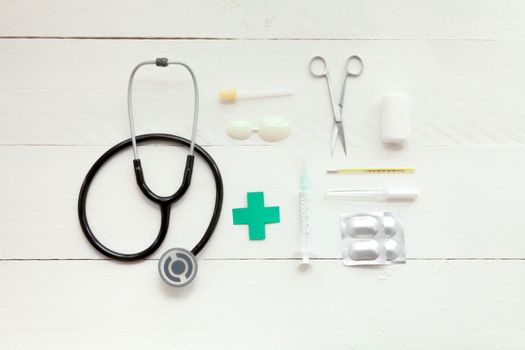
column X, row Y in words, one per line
column 335, row 131
column 339, row 124
column 341, row 134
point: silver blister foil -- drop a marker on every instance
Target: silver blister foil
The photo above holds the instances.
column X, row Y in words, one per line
column 363, row 239
column 375, row 238
column 395, row 238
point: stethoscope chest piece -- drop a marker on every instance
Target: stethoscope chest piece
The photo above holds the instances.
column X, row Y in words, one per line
column 178, row 267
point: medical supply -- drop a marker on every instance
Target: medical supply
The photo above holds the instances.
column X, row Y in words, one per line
column 240, row 129
column 319, row 69
column 372, row 239
column 372, row 171
column 363, row 239
column 178, row 268
column 270, row 129
column 395, row 119
column 395, row 238
column 256, row 216
column 304, row 225
column 400, row 194
column 273, row 129
column 231, row 94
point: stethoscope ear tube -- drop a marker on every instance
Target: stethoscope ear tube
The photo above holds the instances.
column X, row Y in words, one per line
column 164, row 203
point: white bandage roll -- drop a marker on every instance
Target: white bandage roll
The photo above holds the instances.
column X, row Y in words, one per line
column 395, row 118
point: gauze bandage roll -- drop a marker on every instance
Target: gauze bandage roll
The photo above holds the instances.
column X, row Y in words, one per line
column 395, row 119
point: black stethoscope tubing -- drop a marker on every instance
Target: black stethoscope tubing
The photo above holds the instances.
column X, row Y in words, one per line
column 164, row 203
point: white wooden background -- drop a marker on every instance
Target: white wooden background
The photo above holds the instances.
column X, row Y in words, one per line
column 64, row 67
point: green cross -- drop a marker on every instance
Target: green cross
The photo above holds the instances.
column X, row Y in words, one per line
column 256, row 216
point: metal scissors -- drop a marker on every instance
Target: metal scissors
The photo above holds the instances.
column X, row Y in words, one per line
column 337, row 109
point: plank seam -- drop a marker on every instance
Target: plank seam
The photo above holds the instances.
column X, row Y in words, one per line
column 265, row 259
column 36, row 37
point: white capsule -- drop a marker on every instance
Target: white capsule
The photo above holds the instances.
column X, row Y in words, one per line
column 273, row 129
column 391, row 225
column 392, row 249
column 240, row 129
column 364, row 250
column 362, row 226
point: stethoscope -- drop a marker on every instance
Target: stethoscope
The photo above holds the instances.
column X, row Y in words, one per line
column 177, row 266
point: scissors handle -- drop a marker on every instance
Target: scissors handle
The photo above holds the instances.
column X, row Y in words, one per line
column 350, row 72
column 318, row 67
column 356, row 71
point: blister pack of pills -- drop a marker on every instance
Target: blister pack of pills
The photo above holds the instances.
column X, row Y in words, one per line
column 372, row 239
column 395, row 238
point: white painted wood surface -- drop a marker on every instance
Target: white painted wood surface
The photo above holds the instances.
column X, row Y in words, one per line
column 62, row 103
column 264, row 304
column 252, row 19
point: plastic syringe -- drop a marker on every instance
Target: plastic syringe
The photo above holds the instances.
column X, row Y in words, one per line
column 304, row 229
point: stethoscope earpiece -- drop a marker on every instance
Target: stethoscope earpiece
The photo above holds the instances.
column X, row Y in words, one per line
column 178, row 267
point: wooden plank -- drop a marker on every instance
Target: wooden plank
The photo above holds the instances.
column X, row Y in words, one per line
column 337, row 19
column 264, row 304
column 463, row 93
column 469, row 206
